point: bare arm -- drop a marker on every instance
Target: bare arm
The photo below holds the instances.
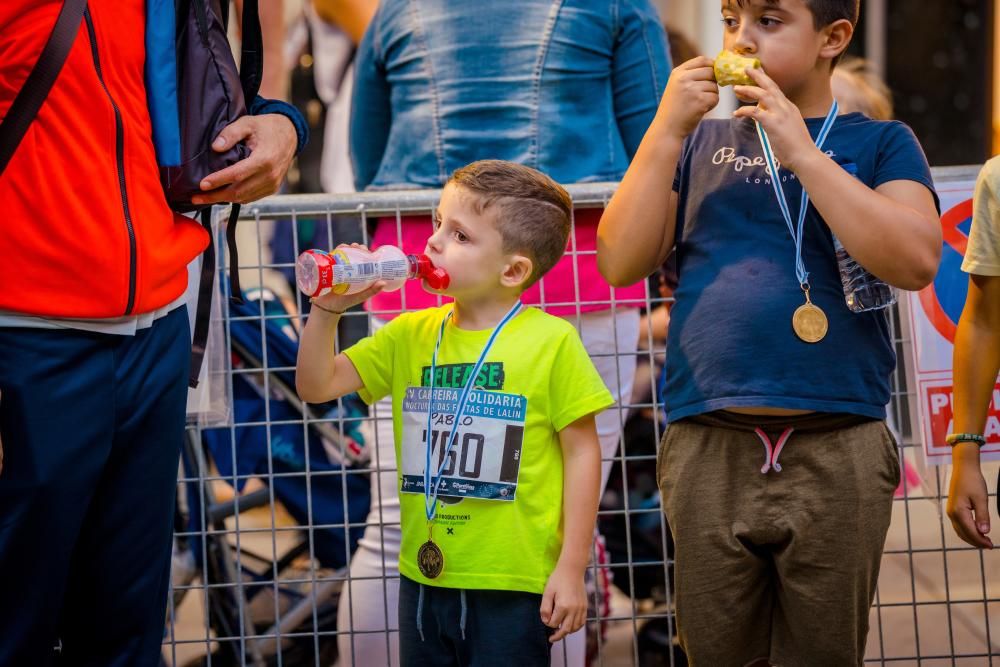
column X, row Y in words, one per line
column 353, row 16
column 564, row 603
column 653, row 328
column 320, row 375
column 893, row 231
column 637, row 229
column 976, row 364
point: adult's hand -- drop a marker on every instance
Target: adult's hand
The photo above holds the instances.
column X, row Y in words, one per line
column 271, row 139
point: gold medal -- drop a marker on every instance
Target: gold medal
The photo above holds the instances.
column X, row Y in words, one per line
column 430, row 559
column 809, row 322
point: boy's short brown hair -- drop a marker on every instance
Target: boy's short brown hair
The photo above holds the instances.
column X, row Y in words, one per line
column 532, row 211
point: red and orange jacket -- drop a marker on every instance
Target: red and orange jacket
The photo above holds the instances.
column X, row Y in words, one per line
column 85, row 230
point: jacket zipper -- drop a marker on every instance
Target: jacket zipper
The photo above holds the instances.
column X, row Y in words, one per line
column 120, row 156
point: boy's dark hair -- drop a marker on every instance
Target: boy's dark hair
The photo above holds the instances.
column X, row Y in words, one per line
column 532, row 210
column 826, row 12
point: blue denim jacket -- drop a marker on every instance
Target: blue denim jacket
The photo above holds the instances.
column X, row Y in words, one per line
column 566, row 86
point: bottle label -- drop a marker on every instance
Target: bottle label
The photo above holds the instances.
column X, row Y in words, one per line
column 395, row 269
column 361, row 272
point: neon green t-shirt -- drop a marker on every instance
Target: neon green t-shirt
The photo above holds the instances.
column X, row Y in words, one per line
column 499, row 518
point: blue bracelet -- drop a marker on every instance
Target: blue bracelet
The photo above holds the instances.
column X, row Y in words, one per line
column 263, row 106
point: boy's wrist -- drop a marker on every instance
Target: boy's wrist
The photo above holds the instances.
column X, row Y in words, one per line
column 574, row 562
column 668, row 137
column 810, row 159
column 329, row 311
column 965, row 453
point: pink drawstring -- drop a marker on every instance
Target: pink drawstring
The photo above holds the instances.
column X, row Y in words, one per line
column 772, row 452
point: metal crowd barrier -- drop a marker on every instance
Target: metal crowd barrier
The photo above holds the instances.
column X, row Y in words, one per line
column 250, row 586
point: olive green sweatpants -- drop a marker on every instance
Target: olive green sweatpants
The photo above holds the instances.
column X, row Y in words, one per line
column 779, row 525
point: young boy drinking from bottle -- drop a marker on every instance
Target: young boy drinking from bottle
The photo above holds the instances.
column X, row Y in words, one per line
column 776, row 470
column 493, row 410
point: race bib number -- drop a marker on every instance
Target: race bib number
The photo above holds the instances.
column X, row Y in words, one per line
column 485, row 458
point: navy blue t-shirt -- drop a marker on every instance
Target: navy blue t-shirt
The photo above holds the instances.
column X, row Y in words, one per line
column 730, row 342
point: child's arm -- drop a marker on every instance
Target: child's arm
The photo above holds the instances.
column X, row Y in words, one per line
column 319, row 374
column 893, row 231
column 977, row 361
column 564, row 603
column 637, row 229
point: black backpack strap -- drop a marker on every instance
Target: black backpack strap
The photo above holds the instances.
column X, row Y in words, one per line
column 251, row 73
column 203, row 313
column 235, row 292
column 38, row 84
column 252, row 53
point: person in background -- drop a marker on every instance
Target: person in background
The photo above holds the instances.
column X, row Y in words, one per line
column 338, row 26
column 976, row 363
column 567, row 88
column 682, row 49
column 858, row 88
column 325, row 37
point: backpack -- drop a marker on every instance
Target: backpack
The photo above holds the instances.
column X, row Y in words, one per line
column 198, row 68
column 206, row 73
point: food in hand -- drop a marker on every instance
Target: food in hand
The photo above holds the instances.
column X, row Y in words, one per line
column 730, row 69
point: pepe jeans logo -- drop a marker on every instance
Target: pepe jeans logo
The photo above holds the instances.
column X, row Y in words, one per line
column 727, row 155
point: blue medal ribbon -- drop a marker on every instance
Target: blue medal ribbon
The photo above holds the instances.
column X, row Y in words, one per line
column 430, row 497
column 797, row 231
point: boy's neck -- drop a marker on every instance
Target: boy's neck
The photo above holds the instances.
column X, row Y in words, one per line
column 482, row 314
column 815, row 100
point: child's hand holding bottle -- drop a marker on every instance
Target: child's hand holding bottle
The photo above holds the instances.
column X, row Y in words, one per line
column 313, row 273
column 350, row 274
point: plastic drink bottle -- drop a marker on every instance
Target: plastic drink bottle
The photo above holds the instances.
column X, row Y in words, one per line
column 346, row 270
column 862, row 290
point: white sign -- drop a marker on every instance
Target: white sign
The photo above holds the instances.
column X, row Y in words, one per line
column 933, row 315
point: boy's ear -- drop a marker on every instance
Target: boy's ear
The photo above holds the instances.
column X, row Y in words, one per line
column 836, row 37
column 517, row 271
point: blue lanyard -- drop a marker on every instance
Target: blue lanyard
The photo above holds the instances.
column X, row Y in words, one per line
column 430, row 497
column 779, row 192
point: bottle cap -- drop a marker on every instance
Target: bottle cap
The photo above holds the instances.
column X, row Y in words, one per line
column 437, row 278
